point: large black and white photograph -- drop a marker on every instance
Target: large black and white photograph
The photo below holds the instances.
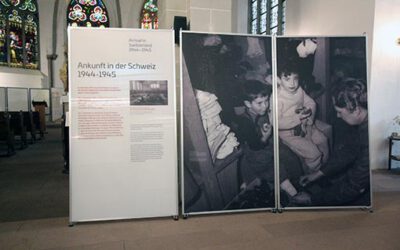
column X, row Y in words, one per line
column 228, row 146
column 323, row 122
column 148, row 92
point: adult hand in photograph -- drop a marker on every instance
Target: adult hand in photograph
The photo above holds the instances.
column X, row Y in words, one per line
column 307, row 179
column 301, row 198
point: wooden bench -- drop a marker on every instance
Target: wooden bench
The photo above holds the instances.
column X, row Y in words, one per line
column 6, row 134
column 17, row 125
column 30, row 126
column 38, row 123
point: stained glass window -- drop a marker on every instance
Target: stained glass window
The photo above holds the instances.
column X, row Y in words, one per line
column 19, row 36
column 267, row 16
column 15, row 38
column 149, row 15
column 3, row 37
column 87, row 13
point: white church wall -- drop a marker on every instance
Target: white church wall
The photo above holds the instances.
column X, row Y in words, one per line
column 331, row 18
column 211, row 16
column 239, row 16
column 130, row 13
column 385, row 81
column 170, row 9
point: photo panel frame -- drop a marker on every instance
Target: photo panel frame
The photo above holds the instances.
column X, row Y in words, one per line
column 227, row 138
column 317, row 110
column 322, row 117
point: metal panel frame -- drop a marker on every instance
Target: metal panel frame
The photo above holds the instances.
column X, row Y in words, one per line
column 176, row 215
column 186, row 214
column 370, row 207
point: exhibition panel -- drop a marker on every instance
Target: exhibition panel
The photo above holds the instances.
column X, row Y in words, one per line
column 234, row 126
column 227, row 139
column 322, row 113
column 123, row 146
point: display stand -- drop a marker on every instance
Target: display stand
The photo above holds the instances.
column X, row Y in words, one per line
column 123, row 148
column 212, row 181
column 309, row 132
column 327, row 68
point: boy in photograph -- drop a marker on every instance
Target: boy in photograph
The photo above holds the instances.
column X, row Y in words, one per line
column 296, row 111
column 255, row 134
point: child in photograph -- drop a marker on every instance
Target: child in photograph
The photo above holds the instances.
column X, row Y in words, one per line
column 255, row 134
column 296, row 111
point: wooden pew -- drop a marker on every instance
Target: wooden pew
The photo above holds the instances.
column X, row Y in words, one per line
column 38, row 123
column 40, row 107
column 30, row 126
column 6, row 134
column 17, row 125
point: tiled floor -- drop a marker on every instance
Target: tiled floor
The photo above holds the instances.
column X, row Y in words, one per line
column 346, row 229
column 31, row 183
column 29, row 224
column 384, row 180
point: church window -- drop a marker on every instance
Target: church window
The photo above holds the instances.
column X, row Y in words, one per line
column 149, row 15
column 87, row 13
column 267, row 16
column 19, row 34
